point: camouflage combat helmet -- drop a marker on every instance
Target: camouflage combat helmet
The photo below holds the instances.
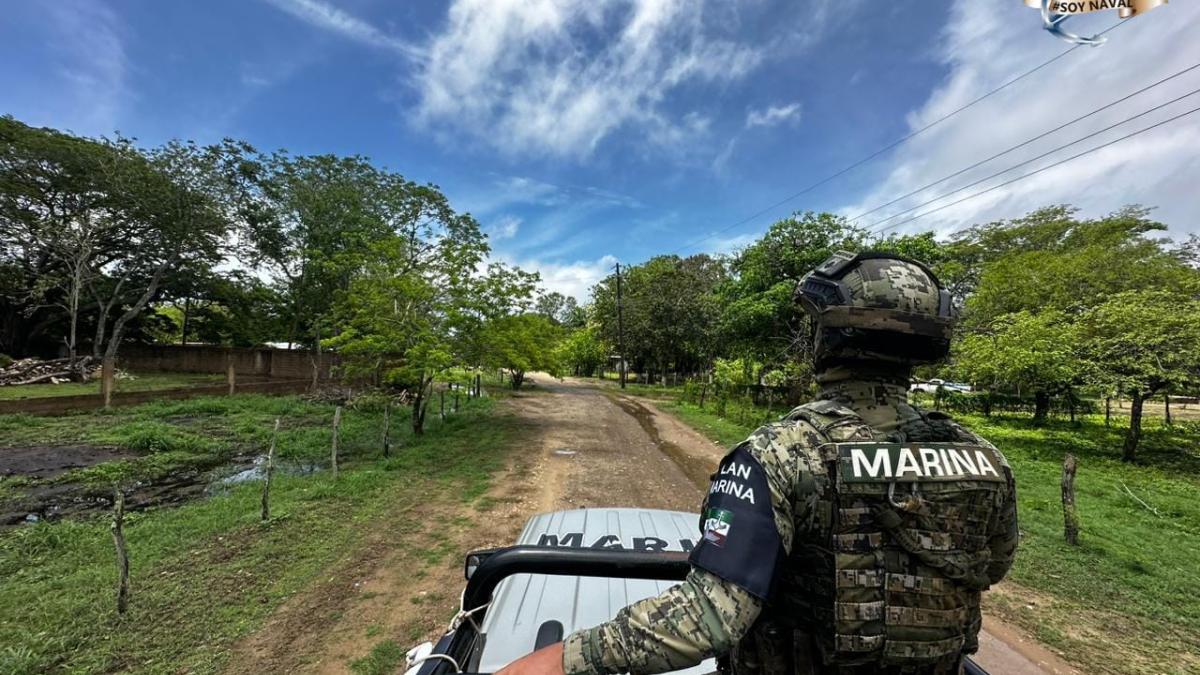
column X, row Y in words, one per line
column 877, row 306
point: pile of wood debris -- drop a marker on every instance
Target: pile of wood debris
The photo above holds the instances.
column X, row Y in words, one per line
column 54, row 371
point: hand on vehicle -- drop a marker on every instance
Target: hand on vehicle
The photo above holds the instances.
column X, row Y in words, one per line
column 545, row 661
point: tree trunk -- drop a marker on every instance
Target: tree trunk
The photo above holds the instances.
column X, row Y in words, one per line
column 1107, row 410
column 1167, row 409
column 1041, row 407
column 114, row 339
column 1070, row 517
column 419, row 404
column 1134, row 434
column 517, row 377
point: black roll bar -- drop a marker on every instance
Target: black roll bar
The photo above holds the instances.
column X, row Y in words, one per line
column 497, row 564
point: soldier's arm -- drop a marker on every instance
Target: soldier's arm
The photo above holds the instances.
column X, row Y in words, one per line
column 704, row 616
column 688, row 623
column 1004, row 536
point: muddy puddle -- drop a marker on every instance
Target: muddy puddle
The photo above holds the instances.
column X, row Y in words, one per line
column 698, row 470
column 39, row 490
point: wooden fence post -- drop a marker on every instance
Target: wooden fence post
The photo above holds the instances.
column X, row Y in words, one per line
column 1167, row 409
column 1070, row 517
column 456, row 388
column 231, row 377
column 108, row 373
column 270, row 468
column 118, row 535
column 337, row 424
column 387, row 428
column 703, row 391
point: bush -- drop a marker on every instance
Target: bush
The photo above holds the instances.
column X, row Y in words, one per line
column 5, row 360
column 157, row 437
column 986, row 402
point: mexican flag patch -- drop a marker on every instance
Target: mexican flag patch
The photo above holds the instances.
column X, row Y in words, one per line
column 716, row 526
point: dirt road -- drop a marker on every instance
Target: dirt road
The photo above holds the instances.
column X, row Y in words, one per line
column 585, row 447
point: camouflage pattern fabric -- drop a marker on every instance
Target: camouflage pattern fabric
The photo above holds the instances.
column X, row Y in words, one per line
column 893, row 610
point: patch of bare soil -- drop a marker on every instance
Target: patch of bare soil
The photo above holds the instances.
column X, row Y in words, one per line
column 47, row 461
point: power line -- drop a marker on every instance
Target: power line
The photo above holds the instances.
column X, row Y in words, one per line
column 1044, row 168
column 890, row 146
column 1028, row 161
column 1025, row 143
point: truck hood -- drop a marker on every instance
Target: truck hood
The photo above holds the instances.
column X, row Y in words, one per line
column 523, row 602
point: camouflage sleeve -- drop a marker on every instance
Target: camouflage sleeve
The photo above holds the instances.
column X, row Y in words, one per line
column 705, row 615
column 702, row 617
column 1004, row 537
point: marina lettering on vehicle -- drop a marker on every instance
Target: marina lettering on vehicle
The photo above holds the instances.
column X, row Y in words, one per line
column 612, row 541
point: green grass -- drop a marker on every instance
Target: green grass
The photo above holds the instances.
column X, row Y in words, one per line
column 1128, row 598
column 139, row 382
column 206, row 573
column 385, row 657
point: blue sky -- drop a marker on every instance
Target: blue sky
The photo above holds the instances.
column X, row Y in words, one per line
column 582, row 132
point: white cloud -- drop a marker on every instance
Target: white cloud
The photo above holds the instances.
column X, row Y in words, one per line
column 549, row 77
column 505, row 228
column 773, row 115
column 987, row 44
column 574, row 278
column 327, row 17
column 88, row 38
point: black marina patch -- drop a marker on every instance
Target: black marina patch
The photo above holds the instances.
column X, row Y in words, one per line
column 739, row 542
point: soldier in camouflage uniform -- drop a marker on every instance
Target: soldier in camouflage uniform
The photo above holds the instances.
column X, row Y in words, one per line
column 854, row 536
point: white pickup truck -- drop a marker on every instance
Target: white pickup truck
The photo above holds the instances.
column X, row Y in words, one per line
column 570, row 569
column 931, row 386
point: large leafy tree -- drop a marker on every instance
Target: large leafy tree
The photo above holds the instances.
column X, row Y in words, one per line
column 523, row 343
column 400, row 319
column 1025, row 351
column 97, row 227
column 1051, row 260
column 759, row 319
column 584, row 352
column 1143, row 342
column 669, row 312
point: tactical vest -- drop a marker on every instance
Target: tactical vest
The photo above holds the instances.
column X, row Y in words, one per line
column 885, row 573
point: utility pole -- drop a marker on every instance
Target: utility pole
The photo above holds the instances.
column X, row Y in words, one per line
column 620, row 328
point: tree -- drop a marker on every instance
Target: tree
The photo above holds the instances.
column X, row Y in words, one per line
column 400, row 321
column 583, row 352
column 1142, row 342
column 759, row 318
column 60, row 215
column 97, row 225
column 1049, row 259
column 1032, row 352
column 523, row 343
column 670, row 311
column 559, row 308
